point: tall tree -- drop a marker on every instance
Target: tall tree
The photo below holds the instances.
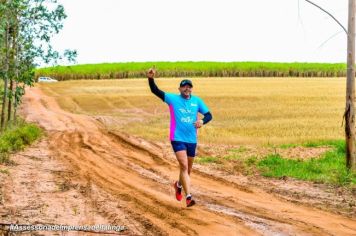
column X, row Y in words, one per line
column 25, row 41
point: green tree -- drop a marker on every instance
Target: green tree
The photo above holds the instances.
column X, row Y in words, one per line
column 26, row 29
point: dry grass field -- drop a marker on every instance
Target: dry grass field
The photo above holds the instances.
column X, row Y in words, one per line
column 245, row 110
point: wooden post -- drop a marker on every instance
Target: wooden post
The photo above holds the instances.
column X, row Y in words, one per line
column 350, row 91
column 349, row 114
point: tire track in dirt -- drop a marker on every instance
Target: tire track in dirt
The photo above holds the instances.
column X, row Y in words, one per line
column 105, row 176
column 137, row 175
column 40, row 190
column 254, row 217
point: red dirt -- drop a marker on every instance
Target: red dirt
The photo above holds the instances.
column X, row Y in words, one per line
column 82, row 174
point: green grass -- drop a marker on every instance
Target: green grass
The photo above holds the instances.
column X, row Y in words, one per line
column 241, row 149
column 16, row 138
column 208, row 159
column 4, row 171
column 194, row 69
column 321, row 143
column 251, row 161
column 232, row 157
column 328, row 169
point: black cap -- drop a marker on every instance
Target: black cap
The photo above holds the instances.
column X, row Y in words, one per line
column 185, row 82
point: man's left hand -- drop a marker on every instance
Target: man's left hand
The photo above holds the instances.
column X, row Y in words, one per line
column 198, row 124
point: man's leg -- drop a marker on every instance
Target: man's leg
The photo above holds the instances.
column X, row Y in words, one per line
column 184, row 178
column 191, row 149
column 190, row 164
column 190, row 158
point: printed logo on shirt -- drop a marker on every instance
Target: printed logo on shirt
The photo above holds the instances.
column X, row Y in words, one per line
column 186, row 119
column 185, row 111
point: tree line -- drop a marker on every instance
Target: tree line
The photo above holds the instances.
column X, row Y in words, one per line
column 26, row 29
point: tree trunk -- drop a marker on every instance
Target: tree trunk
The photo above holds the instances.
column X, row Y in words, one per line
column 9, row 107
column 6, row 70
column 350, row 91
column 15, row 100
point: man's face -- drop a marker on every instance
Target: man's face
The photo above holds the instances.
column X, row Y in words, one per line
column 185, row 90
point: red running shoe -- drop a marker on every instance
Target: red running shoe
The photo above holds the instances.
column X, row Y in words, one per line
column 178, row 190
column 190, row 202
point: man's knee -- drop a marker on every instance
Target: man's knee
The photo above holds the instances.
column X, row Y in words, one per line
column 183, row 167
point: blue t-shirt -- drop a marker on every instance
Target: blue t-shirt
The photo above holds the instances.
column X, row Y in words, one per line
column 184, row 112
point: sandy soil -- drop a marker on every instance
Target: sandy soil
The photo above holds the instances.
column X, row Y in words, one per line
column 81, row 174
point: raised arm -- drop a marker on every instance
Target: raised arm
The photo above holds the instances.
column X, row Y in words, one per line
column 151, row 81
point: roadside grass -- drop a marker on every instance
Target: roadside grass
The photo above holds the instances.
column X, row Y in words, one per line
column 339, row 144
column 246, row 111
column 16, row 138
column 330, row 168
column 207, row 159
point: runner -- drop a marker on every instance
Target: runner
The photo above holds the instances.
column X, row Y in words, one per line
column 184, row 110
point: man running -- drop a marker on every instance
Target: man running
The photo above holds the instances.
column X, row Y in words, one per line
column 184, row 123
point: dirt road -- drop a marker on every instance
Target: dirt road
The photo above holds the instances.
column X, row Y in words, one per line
column 121, row 180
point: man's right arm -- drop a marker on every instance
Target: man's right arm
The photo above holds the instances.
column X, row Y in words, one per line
column 154, row 89
column 151, row 81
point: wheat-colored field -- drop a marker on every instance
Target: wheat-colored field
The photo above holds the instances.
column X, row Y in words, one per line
column 245, row 110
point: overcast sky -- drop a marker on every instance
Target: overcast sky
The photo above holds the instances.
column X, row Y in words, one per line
column 203, row 30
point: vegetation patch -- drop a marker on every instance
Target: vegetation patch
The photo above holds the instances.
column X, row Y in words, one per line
column 4, row 171
column 208, row 159
column 194, row 69
column 322, row 143
column 16, row 138
column 330, row 168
